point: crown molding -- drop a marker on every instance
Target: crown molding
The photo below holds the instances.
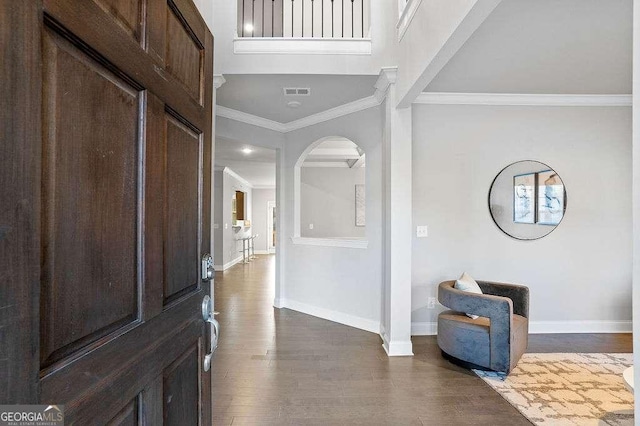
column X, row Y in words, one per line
column 330, row 114
column 232, row 114
column 264, row 187
column 326, row 164
column 218, row 80
column 513, row 99
column 236, row 176
column 407, row 16
column 386, row 78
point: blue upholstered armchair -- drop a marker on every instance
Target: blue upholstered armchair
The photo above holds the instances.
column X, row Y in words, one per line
column 498, row 338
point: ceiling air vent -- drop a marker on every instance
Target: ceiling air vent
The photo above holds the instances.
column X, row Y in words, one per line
column 297, row 91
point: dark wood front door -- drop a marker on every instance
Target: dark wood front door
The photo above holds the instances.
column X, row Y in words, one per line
column 105, row 183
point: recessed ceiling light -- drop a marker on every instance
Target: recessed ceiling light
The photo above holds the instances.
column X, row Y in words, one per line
column 247, row 150
column 293, row 104
column 248, row 28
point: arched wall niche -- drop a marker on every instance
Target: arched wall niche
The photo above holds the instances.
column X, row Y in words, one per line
column 331, row 173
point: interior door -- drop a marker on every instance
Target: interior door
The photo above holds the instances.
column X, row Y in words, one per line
column 105, row 186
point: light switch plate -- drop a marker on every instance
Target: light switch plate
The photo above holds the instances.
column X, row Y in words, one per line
column 421, row 231
column 311, row 226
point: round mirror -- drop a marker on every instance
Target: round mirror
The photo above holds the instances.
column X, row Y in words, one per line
column 527, row 200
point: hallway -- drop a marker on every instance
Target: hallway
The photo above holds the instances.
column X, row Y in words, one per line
column 280, row 367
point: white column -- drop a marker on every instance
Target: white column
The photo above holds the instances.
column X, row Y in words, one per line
column 397, row 219
column 636, row 198
column 280, row 293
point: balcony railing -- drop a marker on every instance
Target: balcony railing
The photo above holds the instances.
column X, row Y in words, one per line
column 304, row 18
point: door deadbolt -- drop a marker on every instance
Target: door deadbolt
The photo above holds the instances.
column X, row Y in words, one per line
column 207, row 267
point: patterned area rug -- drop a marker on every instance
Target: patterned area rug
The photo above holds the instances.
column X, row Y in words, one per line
column 568, row 389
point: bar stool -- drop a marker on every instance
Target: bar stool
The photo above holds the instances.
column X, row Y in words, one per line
column 245, row 249
column 253, row 247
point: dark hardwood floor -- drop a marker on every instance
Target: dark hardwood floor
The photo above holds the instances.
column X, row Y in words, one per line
column 280, row 367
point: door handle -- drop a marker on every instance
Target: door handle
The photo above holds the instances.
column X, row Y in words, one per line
column 208, row 315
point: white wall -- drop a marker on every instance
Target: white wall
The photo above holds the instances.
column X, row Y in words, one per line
column 231, row 249
column 327, row 200
column 579, row 272
column 260, row 200
column 343, row 284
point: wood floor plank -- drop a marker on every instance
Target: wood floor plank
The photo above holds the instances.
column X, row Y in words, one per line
column 281, row 367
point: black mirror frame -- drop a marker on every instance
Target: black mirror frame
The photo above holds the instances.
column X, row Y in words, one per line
column 564, row 210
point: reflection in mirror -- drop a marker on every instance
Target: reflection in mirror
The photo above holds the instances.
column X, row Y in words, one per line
column 332, row 191
column 527, row 200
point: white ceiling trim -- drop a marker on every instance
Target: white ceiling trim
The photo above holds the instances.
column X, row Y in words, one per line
column 301, row 123
column 320, row 117
column 327, row 164
column 264, row 187
column 330, row 114
column 218, row 80
column 233, row 114
column 360, row 162
column 230, row 172
column 408, row 13
column 513, row 99
column 387, row 76
column 346, row 153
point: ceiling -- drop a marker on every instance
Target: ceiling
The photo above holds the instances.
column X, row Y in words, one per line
column 257, row 167
column 262, row 95
column 337, row 152
column 546, row 46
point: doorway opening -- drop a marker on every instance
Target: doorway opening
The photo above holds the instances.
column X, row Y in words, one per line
column 272, row 227
column 245, row 188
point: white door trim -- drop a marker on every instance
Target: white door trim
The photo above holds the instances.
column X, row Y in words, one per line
column 271, row 248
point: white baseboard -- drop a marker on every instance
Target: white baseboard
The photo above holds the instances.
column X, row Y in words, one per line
column 539, row 327
column 395, row 348
column 424, row 328
column 398, row 348
column 544, row 327
column 227, row 265
column 339, row 317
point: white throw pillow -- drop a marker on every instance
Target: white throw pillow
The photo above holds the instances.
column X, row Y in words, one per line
column 466, row 283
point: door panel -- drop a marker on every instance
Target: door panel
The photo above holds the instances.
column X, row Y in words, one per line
column 180, row 383
column 89, row 201
column 183, row 57
column 126, row 13
column 91, row 25
column 128, row 416
column 183, row 162
column 107, row 177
